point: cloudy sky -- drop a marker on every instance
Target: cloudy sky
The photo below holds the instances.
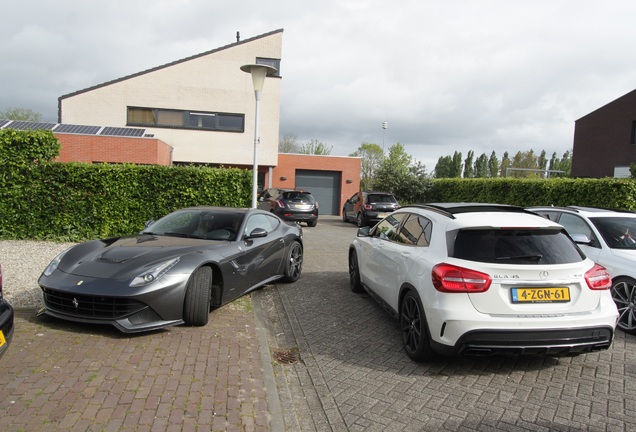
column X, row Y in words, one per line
column 447, row 75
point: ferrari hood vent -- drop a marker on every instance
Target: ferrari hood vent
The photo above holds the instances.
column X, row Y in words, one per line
column 121, row 254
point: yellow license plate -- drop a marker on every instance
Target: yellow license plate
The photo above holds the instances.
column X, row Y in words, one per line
column 382, row 215
column 540, row 295
column 2, row 339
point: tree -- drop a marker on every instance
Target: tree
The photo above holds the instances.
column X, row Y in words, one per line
column 468, row 165
column 444, row 167
column 543, row 160
column 505, row 164
column 289, row 144
column 481, row 166
column 527, row 161
column 398, row 175
column 493, row 165
column 22, row 114
column 554, row 162
column 315, row 147
column 565, row 164
column 371, row 157
column 457, row 165
column 392, row 169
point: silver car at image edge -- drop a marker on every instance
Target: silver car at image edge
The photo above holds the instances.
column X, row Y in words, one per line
column 483, row 279
column 609, row 238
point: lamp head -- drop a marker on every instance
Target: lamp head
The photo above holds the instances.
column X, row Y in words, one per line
column 258, row 72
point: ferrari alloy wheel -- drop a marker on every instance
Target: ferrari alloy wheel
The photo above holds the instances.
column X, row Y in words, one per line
column 417, row 342
column 354, row 273
column 196, row 306
column 624, row 295
column 294, row 264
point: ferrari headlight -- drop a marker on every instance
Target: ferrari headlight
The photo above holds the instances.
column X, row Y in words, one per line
column 53, row 264
column 154, row 273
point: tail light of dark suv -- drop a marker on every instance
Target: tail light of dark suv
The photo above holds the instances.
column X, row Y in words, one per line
column 453, row 279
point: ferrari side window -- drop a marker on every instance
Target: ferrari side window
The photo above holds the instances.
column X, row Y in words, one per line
column 273, row 222
column 259, row 221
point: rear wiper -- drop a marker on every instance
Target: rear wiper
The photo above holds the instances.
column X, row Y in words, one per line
column 521, row 257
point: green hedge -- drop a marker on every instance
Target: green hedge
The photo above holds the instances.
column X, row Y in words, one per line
column 606, row 193
column 41, row 199
column 74, row 201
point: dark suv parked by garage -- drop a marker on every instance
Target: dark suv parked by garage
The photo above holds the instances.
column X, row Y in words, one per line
column 290, row 205
column 368, row 208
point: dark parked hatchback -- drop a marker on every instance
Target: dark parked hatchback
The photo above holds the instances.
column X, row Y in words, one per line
column 6, row 321
column 368, row 208
column 294, row 205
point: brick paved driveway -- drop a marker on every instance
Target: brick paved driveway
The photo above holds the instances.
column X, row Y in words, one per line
column 343, row 370
column 354, row 376
column 65, row 376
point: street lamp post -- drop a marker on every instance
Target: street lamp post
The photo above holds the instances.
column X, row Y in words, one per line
column 258, row 72
column 384, row 126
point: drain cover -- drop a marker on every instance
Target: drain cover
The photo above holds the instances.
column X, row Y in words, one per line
column 287, row 357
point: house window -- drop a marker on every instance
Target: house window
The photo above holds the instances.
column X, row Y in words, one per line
column 181, row 119
column 633, row 139
column 270, row 62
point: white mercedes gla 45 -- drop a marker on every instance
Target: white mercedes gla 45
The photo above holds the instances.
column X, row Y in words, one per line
column 483, row 279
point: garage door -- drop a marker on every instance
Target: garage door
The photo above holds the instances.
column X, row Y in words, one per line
column 324, row 186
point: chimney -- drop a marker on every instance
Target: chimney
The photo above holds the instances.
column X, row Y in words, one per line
column 238, row 37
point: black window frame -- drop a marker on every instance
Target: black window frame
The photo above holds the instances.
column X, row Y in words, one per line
column 205, row 120
column 275, row 63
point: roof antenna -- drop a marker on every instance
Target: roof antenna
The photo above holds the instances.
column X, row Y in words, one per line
column 238, row 36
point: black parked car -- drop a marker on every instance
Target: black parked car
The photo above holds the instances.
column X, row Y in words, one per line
column 368, row 208
column 6, row 321
column 294, row 205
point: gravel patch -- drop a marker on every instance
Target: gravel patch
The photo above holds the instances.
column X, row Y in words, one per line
column 22, row 263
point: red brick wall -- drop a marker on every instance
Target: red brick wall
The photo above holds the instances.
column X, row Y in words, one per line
column 92, row 148
column 289, row 163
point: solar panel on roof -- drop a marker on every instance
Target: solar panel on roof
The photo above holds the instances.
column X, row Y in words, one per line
column 115, row 131
column 25, row 125
column 77, row 129
column 4, row 122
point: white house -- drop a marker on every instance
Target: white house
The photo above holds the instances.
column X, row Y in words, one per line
column 203, row 106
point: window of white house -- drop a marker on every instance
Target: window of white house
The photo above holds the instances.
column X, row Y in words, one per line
column 270, row 62
column 183, row 119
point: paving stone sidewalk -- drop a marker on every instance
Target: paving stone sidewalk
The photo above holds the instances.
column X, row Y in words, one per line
column 346, row 372
column 65, row 376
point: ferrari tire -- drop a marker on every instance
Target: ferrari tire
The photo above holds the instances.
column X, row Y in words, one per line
column 354, row 273
column 196, row 306
column 624, row 295
column 414, row 330
column 293, row 262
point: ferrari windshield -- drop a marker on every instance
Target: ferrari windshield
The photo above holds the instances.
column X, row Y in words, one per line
column 208, row 224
